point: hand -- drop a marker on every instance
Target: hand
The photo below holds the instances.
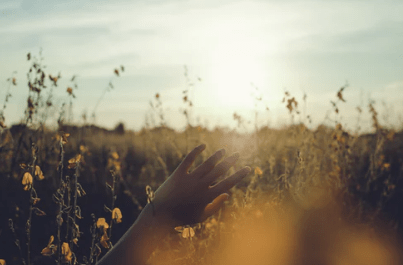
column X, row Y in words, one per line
column 187, row 198
column 184, row 198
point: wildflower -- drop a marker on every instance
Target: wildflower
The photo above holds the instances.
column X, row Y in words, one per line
column 101, row 223
column 74, row 161
column 115, row 155
column 117, row 215
column 258, row 171
column 105, row 240
column 70, row 91
column 66, row 252
column 50, row 249
column 62, row 137
column 187, row 232
column 39, row 173
column 27, row 181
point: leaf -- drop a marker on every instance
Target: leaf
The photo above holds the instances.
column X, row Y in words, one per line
column 117, row 215
column 35, row 201
column 39, row 212
column 78, row 212
column 340, row 95
column 107, row 209
column 39, row 173
column 2, row 262
column 80, row 191
column 98, row 252
column 67, row 209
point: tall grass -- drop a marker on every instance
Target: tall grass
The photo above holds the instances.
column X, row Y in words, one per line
column 324, row 196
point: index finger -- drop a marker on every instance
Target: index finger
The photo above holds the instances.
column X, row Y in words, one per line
column 190, row 158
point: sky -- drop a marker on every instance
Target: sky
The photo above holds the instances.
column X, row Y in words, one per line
column 229, row 48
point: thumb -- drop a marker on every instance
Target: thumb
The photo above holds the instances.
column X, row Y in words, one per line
column 214, row 206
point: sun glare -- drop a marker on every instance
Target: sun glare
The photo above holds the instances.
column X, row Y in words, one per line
column 234, row 67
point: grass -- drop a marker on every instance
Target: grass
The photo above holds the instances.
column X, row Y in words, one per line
column 324, row 196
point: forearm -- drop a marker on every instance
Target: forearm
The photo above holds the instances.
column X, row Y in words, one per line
column 137, row 244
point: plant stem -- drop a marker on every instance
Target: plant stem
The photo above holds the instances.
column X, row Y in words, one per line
column 29, row 222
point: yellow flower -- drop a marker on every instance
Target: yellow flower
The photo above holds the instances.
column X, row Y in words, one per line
column 187, row 232
column 102, row 223
column 50, row 249
column 66, row 252
column 39, row 173
column 258, row 171
column 27, row 181
column 74, row 161
column 117, row 215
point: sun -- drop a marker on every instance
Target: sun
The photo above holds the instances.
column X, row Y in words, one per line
column 234, row 66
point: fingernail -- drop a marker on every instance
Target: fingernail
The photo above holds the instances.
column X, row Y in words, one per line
column 235, row 156
column 202, row 146
column 246, row 170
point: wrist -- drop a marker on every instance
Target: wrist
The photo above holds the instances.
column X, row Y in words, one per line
column 154, row 221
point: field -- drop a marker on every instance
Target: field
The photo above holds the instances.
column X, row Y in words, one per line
column 323, row 196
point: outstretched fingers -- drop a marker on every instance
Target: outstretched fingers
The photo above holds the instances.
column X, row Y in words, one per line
column 209, row 164
column 190, row 158
column 221, row 168
column 229, row 182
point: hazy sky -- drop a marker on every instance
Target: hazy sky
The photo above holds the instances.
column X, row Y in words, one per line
column 310, row 47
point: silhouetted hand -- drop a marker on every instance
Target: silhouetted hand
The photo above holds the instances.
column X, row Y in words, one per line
column 187, row 197
column 184, row 198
